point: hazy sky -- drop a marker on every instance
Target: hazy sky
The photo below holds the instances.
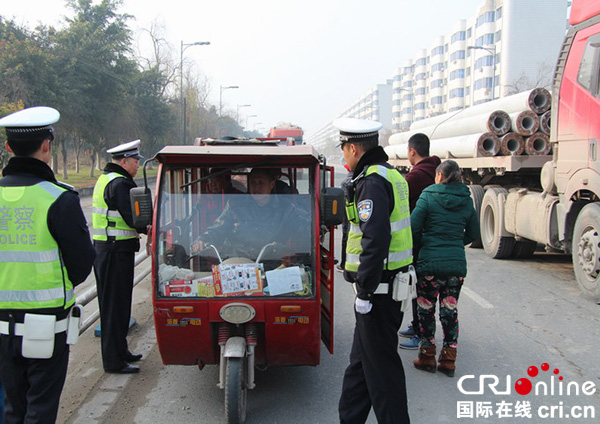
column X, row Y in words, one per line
column 300, row 61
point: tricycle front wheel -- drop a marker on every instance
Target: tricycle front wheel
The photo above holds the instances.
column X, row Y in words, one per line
column 235, row 391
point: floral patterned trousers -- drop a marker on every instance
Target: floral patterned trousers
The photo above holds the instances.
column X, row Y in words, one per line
column 429, row 288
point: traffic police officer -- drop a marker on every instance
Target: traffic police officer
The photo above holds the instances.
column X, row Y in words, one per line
column 116, row 241
column 379, row 246
column 45, row 251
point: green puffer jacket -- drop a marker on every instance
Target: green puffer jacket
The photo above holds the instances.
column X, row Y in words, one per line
column 443, row 222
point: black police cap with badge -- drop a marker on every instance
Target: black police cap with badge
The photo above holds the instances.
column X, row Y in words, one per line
column 34, row 123
column 356, row 130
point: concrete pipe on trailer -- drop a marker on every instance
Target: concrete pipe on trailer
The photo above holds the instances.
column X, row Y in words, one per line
column 488, row 144
column 512, row 144
column 538, row 100
column 538, row 144
column 466, row 146
column 525, row 123
column 545, row 122
column 499, row 122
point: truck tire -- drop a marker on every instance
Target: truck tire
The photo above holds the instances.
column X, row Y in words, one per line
column 491, row 223
column 477, row 193
column 586, row 251
column 524, row 249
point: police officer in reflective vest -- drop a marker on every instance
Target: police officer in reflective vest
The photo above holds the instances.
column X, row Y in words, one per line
column 116, row 241
column 379, row 246
column 45, row 251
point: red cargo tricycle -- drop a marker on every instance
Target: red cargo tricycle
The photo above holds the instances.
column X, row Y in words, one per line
column 242, row 258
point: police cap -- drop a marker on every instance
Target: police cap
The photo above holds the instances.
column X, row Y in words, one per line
column 356, row 130
column 31, row 123
column 126, row 150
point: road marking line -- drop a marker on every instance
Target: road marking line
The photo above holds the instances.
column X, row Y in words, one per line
column 477, row 299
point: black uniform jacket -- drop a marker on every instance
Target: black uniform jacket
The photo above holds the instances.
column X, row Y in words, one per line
column 66, row 223
column 116, row 196
column 376, row 230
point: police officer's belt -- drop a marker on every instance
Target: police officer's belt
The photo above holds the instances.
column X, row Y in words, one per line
column 382, row 288
column 59, row 327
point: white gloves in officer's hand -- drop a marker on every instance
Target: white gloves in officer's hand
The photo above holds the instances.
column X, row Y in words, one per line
column 363, row 306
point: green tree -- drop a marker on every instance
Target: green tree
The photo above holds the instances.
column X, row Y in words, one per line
column 6, row 109
column 27, row 71
column 154, row 117
column 94, row 57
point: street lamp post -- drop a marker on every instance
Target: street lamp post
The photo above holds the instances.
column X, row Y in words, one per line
column 491, row 50
column 183, row 47
column 238, row 111
column 249, row 116
column 221, row 89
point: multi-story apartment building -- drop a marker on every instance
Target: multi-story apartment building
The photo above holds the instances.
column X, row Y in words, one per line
column 506, row 47
column 375, row 104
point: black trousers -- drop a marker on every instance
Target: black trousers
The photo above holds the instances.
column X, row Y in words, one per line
column 32, row 386
column 375, row 376
column 114, row 280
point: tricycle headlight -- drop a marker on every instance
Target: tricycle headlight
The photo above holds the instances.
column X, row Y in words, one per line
column 237, row 313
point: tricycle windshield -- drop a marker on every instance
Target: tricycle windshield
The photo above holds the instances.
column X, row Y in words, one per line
column 230, row 232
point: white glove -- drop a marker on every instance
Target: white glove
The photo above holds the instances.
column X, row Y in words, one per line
column 363, row 306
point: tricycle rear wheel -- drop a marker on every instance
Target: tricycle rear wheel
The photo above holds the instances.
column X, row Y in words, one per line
column 235, row 391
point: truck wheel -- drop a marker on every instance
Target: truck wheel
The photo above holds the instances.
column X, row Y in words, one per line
column 586, row 251
column 524, row 249
column 477, row 193
column 491, row 223
column 235, row 391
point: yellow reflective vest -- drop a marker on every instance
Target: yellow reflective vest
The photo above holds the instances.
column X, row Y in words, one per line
column 400, row 249
column 32, row 275
column 107, row 222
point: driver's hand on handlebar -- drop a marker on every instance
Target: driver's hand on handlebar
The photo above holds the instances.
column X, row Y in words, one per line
column 198, row 246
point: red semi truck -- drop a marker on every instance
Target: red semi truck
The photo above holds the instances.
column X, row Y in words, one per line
column 287, row 130
column 553, row 201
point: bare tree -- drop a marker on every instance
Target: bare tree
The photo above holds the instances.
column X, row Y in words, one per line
column 161, row 57
column 384, row 136
column 543, row 78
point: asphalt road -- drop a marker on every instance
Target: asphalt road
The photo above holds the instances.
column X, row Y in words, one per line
column 513, row 315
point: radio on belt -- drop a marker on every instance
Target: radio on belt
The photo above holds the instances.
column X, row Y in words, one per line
column 75, row 318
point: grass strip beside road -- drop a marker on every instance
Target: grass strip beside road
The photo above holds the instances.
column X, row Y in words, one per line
column 83, row 178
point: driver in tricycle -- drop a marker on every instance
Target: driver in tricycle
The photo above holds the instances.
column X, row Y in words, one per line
column 248, row 222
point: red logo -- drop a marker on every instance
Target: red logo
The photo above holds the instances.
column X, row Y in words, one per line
column 523, row 386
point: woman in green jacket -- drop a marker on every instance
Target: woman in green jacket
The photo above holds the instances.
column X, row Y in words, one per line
column 443, row 222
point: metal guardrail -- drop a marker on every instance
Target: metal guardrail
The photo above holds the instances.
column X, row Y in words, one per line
column 92, row 293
